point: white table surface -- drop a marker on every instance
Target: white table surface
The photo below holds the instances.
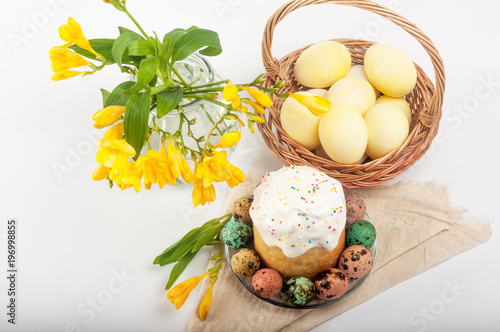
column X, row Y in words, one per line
column 75, row 235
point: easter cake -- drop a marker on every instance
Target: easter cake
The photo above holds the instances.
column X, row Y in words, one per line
column 299, row 217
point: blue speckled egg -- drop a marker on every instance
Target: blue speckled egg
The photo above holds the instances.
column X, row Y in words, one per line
column 236, row 234
column 298, row 291
column 362, row 233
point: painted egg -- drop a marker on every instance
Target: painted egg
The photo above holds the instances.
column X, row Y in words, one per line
column 236, row 234
column 241, row 209
column 299, row 123
column 343, row 134
column 355, row 262
column 318, row 92
column 267, row 282
column 331, row 284
column 356, row 209
column 354, row 92
column 390, row 70
column 359, row 71
column 245, row 262
column 362, row 232
column 387, row 129
column 298, row 291
column 322, row 64
column 399, row 102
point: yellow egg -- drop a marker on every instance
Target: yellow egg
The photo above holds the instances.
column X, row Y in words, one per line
column 399, row 102
column 390, row 70
column 354, row 92
column 387, row 129
column 322, row 64
column 359, row 71
column 320, row 151
column 299, row 123
column 343, row 134
column 318, row 92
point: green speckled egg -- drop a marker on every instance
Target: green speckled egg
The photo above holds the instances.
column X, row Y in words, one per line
column 236, row 234
column 298, row 291
column 362, row 232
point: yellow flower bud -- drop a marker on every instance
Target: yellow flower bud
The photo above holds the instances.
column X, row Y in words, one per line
column 64, row 74
column 107, row 116
column 260, row 97
column 257, row 107
column 228, row 139
column 205, row 303
column 230, row 92
column 315, row 104
column 72, row 33
column 100, row 173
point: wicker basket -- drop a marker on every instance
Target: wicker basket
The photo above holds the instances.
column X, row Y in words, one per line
column 425, row 101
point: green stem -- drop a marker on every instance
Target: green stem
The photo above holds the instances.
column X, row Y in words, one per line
column 204, row 90
column 136, row 23
column 180, row 77
column 211, row 84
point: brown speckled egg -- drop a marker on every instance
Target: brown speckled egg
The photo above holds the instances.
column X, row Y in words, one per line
column 331, row 284
column 241, row 209
column 356, row 209
column 355, row 262
column 245, row 262
column 267, row 282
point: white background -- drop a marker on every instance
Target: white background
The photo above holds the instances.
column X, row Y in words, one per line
column 76, row 235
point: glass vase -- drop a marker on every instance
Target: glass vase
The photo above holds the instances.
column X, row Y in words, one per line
column 201, row 114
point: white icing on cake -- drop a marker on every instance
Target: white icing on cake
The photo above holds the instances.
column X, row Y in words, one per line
column 298, row 208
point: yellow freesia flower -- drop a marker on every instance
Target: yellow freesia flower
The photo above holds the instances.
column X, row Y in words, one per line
column 178, row 164
column 315, row 104
column 64, row 74
column 257, row 107
column 115, row 132
column 64, row 59
column 259, row 96
column 205, row 303
column 107, row 116
column 236, row 102
column 100, row 173
column 72, row 34
column 109, row 150
column 179, row 294
column 155, row 169
column 228, row 139
column 130, row 176
column 202, row 195
column 213, row 169
column 230, row 92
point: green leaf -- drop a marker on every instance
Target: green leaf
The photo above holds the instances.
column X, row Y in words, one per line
column 147, row 71
column 117, row 97
column 206, row 237
column 141, row 47
column 173, row 256
column 168, row 100
column 105, row 96
column 169, row 42
column 195, row 40
column 179, row 268
column 136, row 120
column 121, row 44
column 101, row 46
column 125, row 30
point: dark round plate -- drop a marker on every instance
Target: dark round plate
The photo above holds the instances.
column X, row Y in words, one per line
column 316, row 302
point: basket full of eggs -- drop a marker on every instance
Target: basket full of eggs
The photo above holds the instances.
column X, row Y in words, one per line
column 384, row 110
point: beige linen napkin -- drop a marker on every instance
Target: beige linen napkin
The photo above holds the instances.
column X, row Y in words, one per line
column 417, row 228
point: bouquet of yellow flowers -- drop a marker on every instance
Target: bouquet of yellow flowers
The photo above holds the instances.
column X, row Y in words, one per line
column 132, row 109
